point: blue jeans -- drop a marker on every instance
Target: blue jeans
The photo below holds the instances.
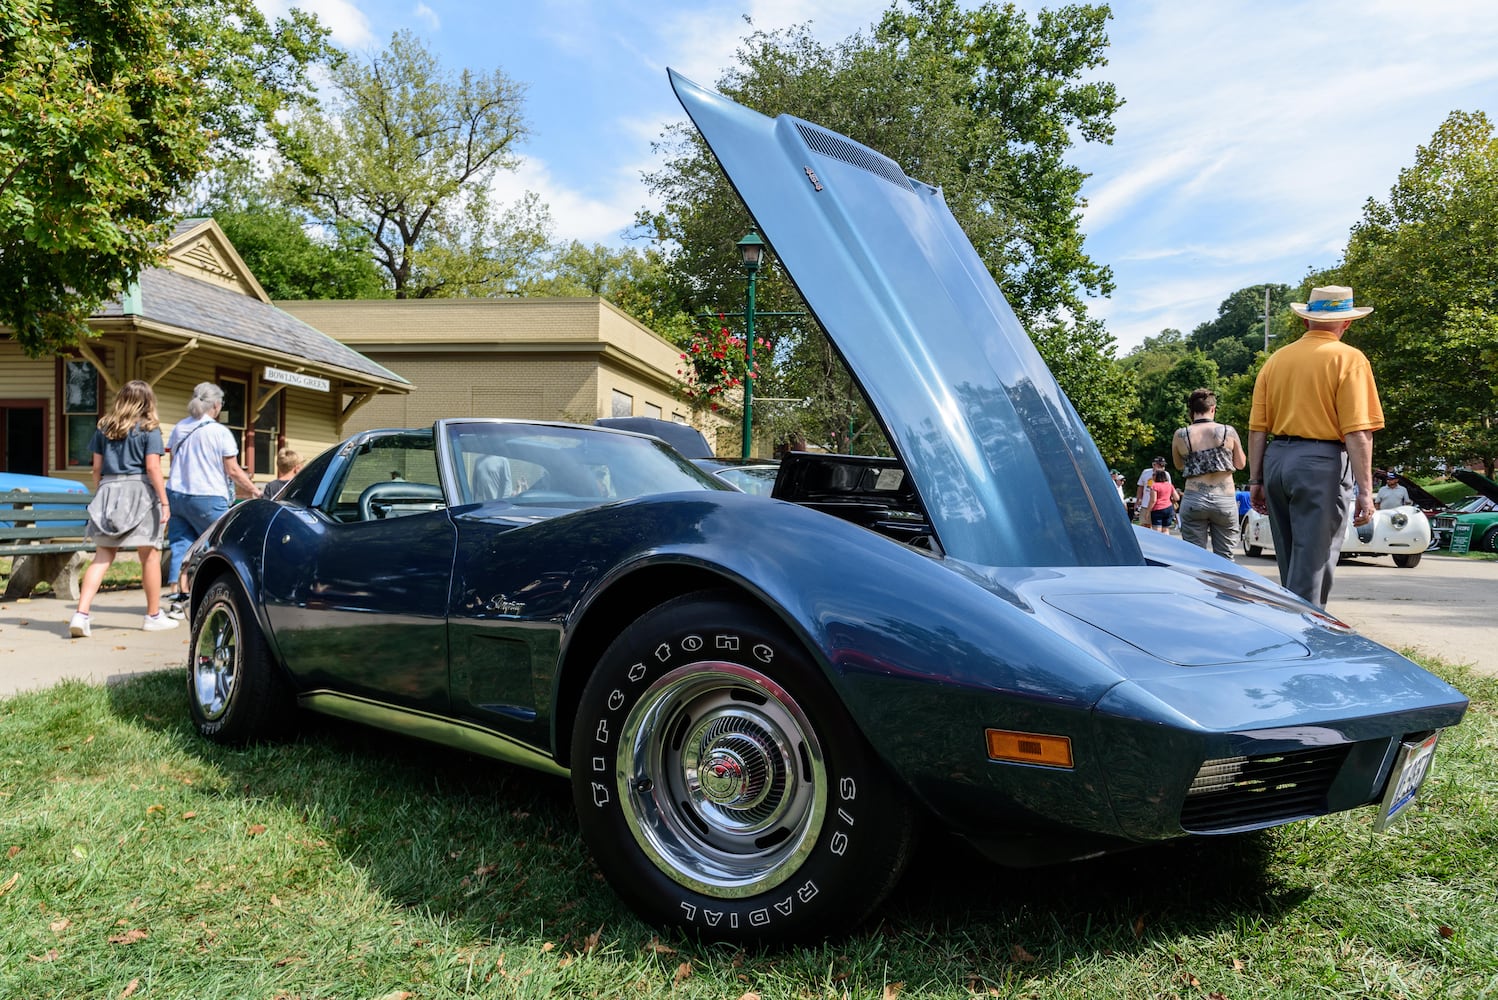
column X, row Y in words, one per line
column 191, row 516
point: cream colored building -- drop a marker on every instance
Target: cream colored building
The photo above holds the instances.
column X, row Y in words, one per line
column 572, row 359
column 202, row 317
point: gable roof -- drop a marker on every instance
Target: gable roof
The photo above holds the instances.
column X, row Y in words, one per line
column 206, row 289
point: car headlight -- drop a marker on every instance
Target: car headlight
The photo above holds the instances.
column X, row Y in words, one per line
column 1399, row 519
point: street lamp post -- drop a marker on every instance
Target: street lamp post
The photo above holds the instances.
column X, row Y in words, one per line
column 751, row 250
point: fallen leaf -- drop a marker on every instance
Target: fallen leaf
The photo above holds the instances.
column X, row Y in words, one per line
column 9, row 883
column 1447, row 932
column 682, row 971
column 282, row 962
column 50, row 955
column 256, row 830
column 189, row 815
column 483, row 870
column 119, row 647
column 660, row 949
column 1237, row 965
column 751, row 995
column 60, row 925
column 398, row 995
column 129, row 991
column 591, row 941
column 892, row 990
column 155, row 808
column 548, row 946
column 130, row 937
column 14, row 850
column 564, row 961
column 275, row 900
column 1019, row 954
column 1217, row 996
column 89, row 740
column 1139, row 926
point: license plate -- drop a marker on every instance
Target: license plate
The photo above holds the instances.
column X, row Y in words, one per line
column 1411, row 764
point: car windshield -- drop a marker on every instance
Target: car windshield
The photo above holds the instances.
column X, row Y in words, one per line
column 561, row 466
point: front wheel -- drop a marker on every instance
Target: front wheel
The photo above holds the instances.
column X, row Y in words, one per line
column 1489, row 541
column 722, row 787
column 234, row 692
column 1408, row 560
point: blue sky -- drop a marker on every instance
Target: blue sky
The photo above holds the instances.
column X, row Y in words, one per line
column 1252, row 135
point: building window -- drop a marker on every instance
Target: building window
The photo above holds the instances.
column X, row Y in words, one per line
column 651, row 410
column 234, row 415
column 679, row 418
column 80, row 392
column 267, row 436
column 623, row 405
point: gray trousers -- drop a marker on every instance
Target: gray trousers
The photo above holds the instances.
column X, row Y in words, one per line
column 1209, row 518
column 1308, row 485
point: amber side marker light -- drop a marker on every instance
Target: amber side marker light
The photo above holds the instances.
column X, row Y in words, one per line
column 1029, row 748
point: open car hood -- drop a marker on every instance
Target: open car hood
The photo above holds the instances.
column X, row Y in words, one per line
column 1005, row 468
column 1419, row 495
column 1482, row 484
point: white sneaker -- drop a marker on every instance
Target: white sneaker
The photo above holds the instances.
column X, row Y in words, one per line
column 157, row 622
column 78, row 628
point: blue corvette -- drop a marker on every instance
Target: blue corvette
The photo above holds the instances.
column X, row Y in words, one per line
column 758, row 701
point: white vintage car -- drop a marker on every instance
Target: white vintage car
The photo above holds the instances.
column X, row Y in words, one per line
column 1401, row 532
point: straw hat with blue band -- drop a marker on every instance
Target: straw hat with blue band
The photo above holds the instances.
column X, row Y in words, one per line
column 1331, row 304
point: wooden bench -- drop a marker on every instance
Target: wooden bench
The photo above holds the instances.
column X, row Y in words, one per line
column 42, row 533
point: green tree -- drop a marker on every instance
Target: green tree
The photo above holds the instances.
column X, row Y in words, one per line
column 290, row 263
column 637, row 281
column 109, row 112
column 1104, row 392
column 1236, row 337
column 405, row 155
column 1163, row 392
column 1425, row 259
column 983, row 103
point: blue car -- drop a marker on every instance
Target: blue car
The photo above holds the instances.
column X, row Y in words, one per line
column 13, row 481
column 758, row 703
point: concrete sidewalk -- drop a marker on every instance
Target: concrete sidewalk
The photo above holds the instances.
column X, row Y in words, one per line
column 36, row 650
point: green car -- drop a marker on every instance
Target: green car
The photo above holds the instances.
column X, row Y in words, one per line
column 1481, row 512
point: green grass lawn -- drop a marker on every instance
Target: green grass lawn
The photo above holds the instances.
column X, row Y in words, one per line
column 138, row 860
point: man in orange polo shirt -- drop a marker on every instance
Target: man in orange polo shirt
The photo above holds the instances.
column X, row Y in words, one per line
column 1318, row 400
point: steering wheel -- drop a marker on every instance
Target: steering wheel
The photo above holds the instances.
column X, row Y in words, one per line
column 395, row 488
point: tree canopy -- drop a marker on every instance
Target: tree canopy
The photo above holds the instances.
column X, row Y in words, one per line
column 1425, row 259
column 109, row 113
column 982, row 102
column 405, row 154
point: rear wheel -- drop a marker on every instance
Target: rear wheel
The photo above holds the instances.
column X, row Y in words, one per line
column 1408, row 560
column 1490, row 540
column 235, row 693
column 723, row 788
column 1248, row 549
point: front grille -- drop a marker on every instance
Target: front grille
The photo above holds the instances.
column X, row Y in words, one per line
column 1238, row 792
column 1444, row 522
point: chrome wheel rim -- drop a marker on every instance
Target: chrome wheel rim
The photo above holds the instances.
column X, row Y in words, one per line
column 722, row 778
column 215, row 660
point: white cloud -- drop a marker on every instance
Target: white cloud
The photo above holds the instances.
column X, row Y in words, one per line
column 427, row 16
column 575, row 215
column 346, row 22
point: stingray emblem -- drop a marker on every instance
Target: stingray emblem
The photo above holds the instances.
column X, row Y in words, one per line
column 811, row 175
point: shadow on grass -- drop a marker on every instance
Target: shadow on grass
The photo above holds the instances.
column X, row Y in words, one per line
column 494, row 851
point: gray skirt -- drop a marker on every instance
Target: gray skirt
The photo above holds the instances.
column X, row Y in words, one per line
column 124, row 514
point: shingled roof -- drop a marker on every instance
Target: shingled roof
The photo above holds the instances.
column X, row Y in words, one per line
column 187, row 303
